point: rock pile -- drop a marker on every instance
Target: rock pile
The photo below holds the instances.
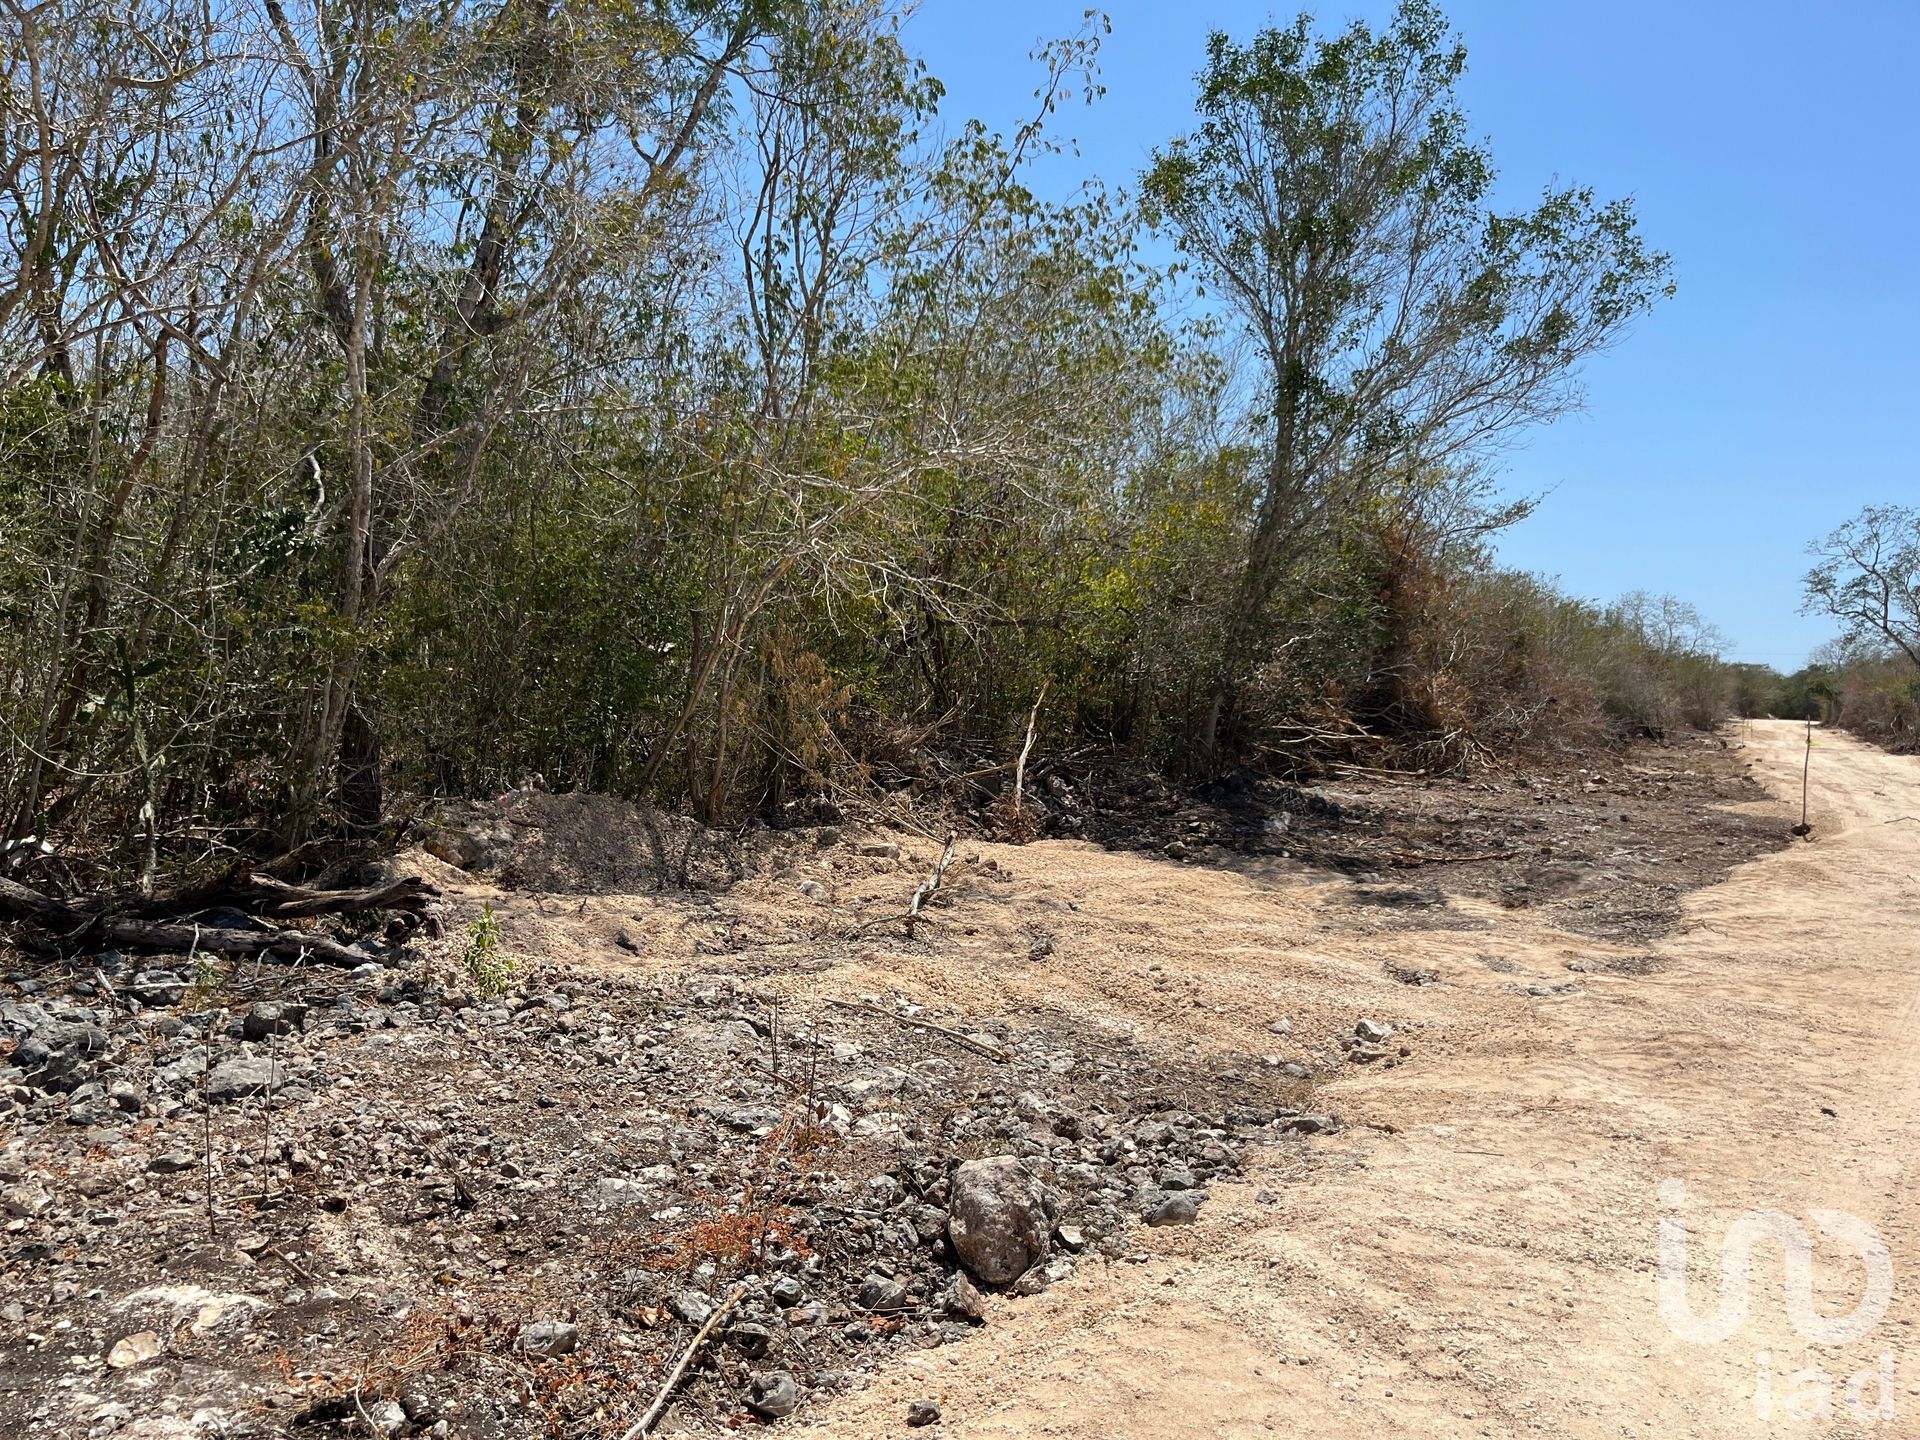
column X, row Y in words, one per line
column 293, row 1180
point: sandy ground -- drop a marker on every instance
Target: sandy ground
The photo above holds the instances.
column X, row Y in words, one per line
column 1476, row 1254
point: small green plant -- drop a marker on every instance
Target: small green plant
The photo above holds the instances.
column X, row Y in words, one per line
column 209, row 979
column 487, row 967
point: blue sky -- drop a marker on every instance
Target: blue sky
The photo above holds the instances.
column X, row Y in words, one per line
column 1773, row 151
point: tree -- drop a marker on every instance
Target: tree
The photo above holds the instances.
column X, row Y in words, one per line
column 423, row 393
column 1668, row 625
column 1868, row 578
column 560, row 134
column 1333, row 200
column 275, row 282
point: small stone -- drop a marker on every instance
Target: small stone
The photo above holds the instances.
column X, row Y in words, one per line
column 1071, row 1238
column 157, row 987
column 245, row 1076
column 422, row 1408
column 1180, row 1209
column 691, row 1306
column 751, row 1119
column 548, row 1338
column 1001, row 1218
column 921, row 1413
column 882, row 1296
column 963, row 1298
column 1372, row 1031
column 27, row 1200
column 387, row 1417
column 57, row 1055
column 751, row 1340
column 134, row 1350
column 1308, row 1124
column 269, row 1018
column 1034, row 1282
column 773, row 1395
column 786, row 1291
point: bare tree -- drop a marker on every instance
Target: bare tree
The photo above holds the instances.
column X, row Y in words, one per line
column 1868, row 578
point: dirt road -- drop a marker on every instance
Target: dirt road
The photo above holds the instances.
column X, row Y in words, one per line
column 1476, row 1255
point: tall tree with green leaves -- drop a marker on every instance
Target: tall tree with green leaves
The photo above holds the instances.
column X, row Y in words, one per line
column 1333, row 200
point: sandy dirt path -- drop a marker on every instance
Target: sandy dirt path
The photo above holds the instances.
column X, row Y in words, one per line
column 1476, row 1254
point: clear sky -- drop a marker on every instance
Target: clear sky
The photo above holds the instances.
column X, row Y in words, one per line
column 1774, row 151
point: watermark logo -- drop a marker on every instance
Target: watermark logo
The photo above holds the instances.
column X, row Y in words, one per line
column 1736, row 1252
column 1805, row 1394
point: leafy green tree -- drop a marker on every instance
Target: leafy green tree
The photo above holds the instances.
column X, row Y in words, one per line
column 417, row 396
column 1333, row 201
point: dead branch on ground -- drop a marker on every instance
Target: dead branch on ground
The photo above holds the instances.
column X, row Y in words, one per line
column 654, row 1411
column 1414, row 857
column 966, row 1042
column 924, row 891
column 101, row 919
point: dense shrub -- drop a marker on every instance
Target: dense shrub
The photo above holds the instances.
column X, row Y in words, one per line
column 649, row 399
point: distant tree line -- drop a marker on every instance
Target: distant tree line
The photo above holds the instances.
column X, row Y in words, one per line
column 402, row 396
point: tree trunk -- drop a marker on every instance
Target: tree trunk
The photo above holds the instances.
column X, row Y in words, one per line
column 361, row 794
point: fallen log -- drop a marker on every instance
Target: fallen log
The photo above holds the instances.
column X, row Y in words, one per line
column 260, row 893
column 77, row 922
column 165, row 935
column 17, row 899
column 287, row 902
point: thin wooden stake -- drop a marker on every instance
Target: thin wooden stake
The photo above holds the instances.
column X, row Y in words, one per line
column 266, row 1136
column 1806, row 776
column 206, row 1123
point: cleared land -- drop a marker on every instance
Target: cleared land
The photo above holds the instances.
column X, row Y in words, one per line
column 1467, row 1247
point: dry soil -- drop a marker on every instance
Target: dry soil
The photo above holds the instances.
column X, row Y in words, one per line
column 1480, row 1259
